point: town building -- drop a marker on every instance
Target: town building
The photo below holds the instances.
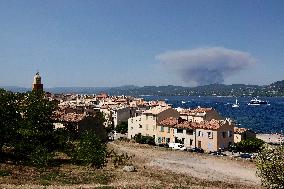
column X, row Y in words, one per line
column 243, row 134
column 120, row 114
column 208, row 135
column 79, row 123
column 199, row 114
column 147, row 123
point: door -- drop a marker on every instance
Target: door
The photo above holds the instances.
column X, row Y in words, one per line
column 199, row 144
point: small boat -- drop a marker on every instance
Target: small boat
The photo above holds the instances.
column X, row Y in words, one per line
column 236, row 105
column 257, row 102
column 183, row 102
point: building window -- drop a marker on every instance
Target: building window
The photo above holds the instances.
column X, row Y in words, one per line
column 200, row 133
column 146, row 127
column 189, row 132
column 179, row 130
column 190, row 142
column 230, row 134
column 168, row 140
column 162, row 129
column 146, row 117
column 159, row 139
column 210, row 135
column 224, row 134
column 131, row 120
column 140, row 126
column 169, row 129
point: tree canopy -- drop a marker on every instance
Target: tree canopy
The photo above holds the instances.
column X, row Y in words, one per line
column 27, row 130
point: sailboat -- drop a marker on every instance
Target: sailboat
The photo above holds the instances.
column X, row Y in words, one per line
column 236, row 105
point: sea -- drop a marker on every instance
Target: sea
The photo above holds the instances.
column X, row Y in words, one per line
column 261, row 119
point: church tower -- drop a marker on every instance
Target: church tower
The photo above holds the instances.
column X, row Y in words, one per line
column 37, row 82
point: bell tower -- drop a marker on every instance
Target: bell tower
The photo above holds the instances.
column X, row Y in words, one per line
column 37, row 82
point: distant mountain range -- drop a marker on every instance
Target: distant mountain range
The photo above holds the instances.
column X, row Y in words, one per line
column 274, row 89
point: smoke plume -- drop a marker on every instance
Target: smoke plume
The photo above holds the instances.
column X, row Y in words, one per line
column 205, row 65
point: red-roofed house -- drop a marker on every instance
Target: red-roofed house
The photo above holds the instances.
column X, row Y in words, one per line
column 200, row 114
column 208, row 135
column 243, row 134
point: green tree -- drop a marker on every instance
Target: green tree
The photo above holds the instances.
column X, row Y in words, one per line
column 122, row 128
column 270, row 167
column 91, row 150
column 9, row 117
column 249, row 145
column 35, row 133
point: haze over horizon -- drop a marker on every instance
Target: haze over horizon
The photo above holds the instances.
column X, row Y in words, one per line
column 116, row 43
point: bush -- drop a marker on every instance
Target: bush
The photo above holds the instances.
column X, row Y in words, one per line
column 119, row 159
column 270, row 167
column 144, row 139
column 40, row 157
column 250, row 145
column 91, row 150
column 122, row 128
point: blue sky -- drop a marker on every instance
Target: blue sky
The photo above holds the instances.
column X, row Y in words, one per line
column 120, row 42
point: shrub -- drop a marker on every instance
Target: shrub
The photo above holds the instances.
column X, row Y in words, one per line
column 122, row 128
column 119, row 159
column 40, row 157
column 91, row 150
column 249, row 145
column 144, row 139
column 270, row 167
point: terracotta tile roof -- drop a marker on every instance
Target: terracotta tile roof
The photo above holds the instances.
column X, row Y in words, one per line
column 104, row 107
column 239, row 130
column 195, row 111
column 170, row 121
column 102, row 95
column 183, row 124
column 69, row 117
column 212, row 124
column 156, row 110
column 121, row 100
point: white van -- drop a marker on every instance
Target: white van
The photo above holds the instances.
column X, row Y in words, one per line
column 177, row 146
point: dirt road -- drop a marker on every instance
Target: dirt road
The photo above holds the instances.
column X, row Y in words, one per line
column 201, row 166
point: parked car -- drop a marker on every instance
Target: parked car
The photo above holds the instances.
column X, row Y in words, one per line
column 217, row 153
column 163, row 145
column 198, row 150
column 177, row 146
column 232, row 148
column 247, row 156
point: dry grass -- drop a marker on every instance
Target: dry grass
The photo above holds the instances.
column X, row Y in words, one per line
column 73, row 176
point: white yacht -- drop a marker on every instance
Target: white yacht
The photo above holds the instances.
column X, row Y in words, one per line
column 236, row 105
column 257, row 102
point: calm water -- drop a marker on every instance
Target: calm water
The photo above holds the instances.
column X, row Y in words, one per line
column 262, row 119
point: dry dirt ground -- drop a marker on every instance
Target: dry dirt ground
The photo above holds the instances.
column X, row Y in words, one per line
column 155, row 168
column 202, row 166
